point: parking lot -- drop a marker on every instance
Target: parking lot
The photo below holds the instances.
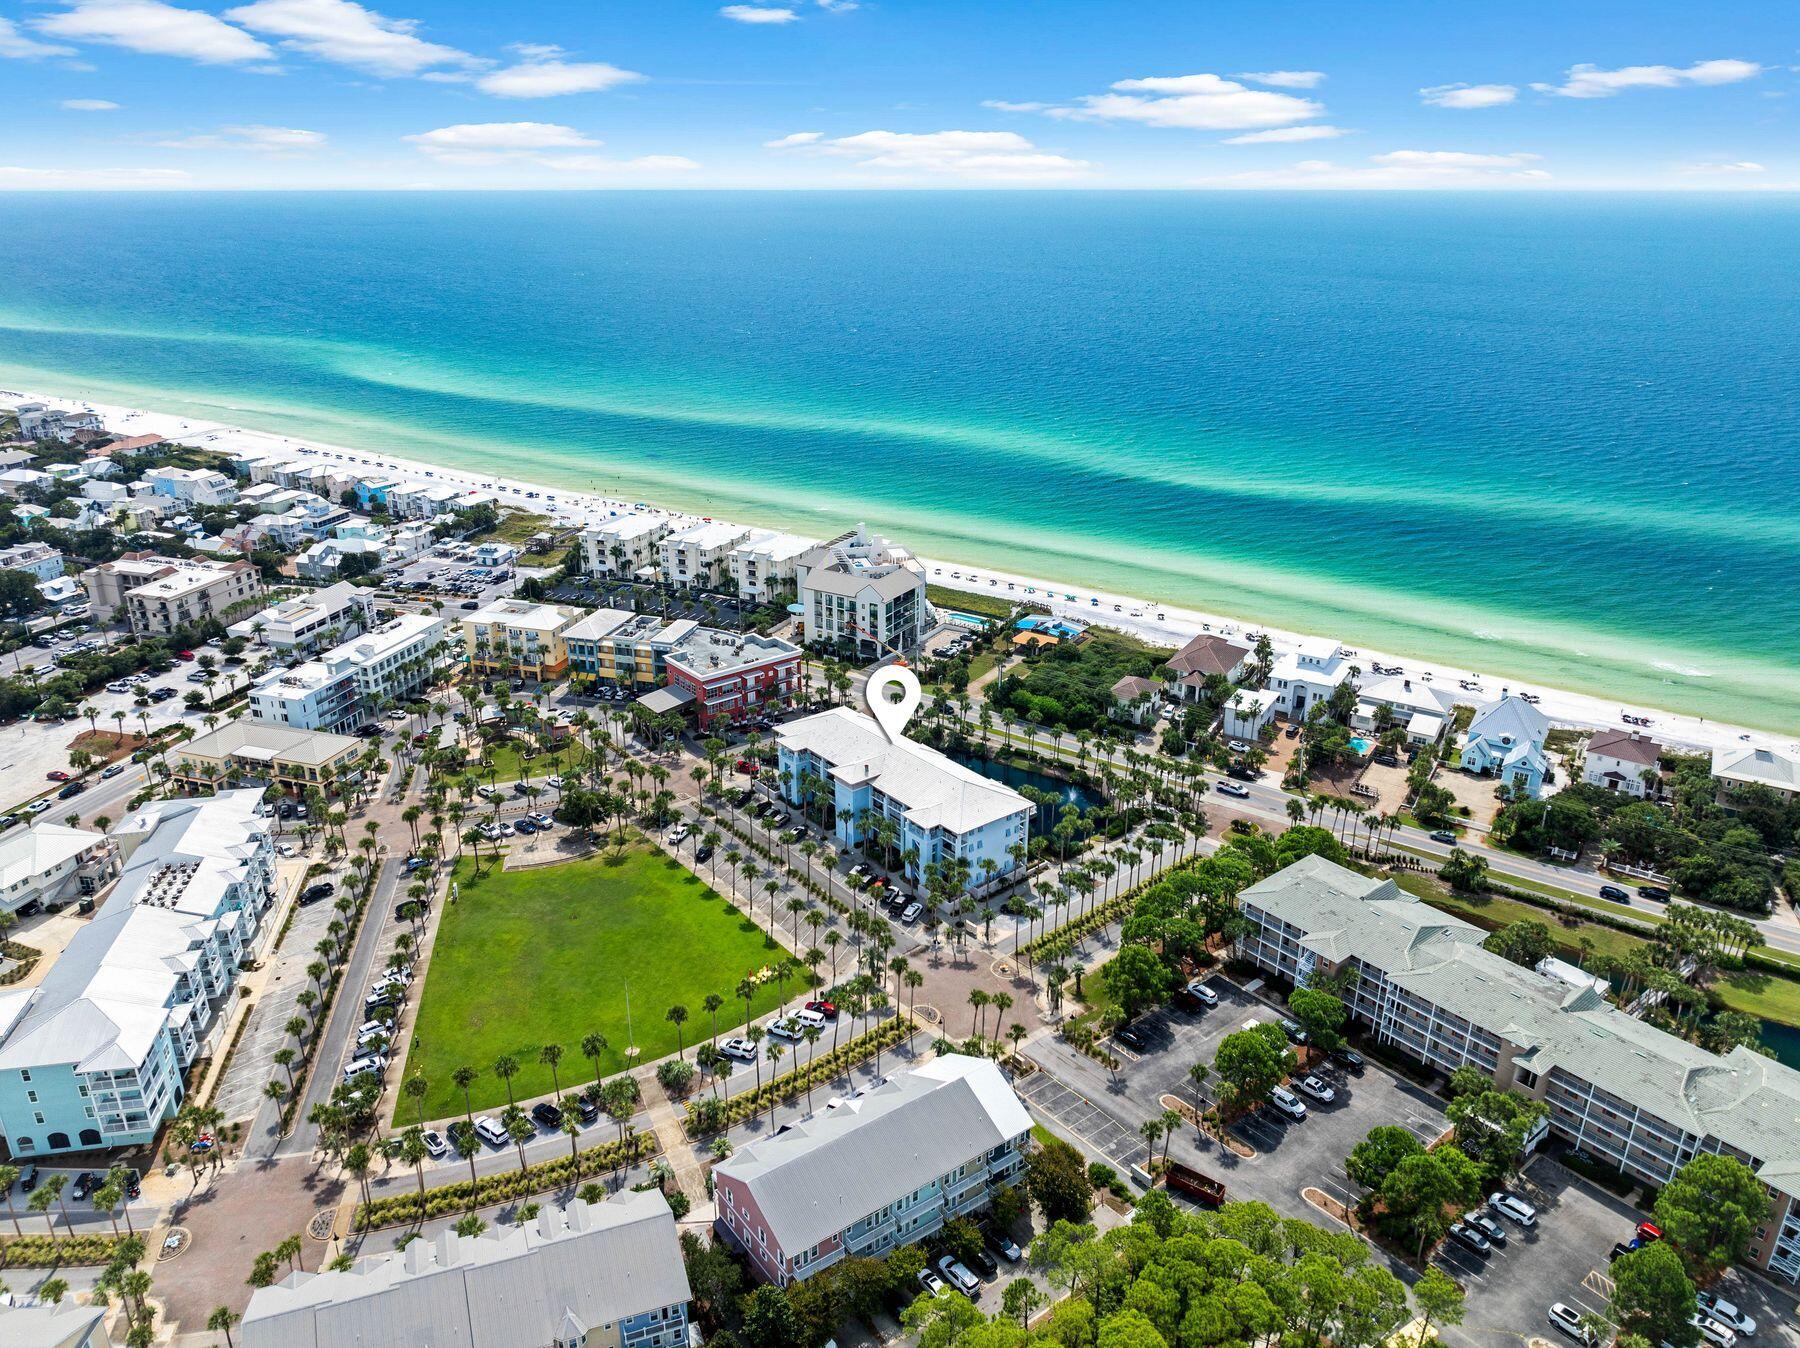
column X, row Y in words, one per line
column 1104, row 1107
column 715, row 610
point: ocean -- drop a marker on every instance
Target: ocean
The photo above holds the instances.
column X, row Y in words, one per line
column 1555, row 437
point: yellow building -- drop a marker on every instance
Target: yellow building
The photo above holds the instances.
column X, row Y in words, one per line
column 518, row 637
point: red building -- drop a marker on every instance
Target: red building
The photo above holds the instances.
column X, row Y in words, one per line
column 727, row 675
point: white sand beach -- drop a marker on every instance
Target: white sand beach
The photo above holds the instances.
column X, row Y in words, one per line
column 1156, row 623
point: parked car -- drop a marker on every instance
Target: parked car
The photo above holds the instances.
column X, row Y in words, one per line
column 911, row 915
column 1512, row 1207
column 931, row 1282
column 1231, row 789
column 71, row 789
column 112, row 770
column 1712, row 1333
column 785, row 1028
column 28, row 1179
column 983, row 1262
column 679, row 834
column 1469, row 1238
column 1488, row 1227
column 1132, row 1037
column 1317, row 1089
column 1288, row 1103
column 1002, row 1244
column 1614, row 893
column 704, row 855
column 1726, row 1313
column 435, row 1145
column 1568, row 1321
column 356, row 1067
column 1649, row 1231
column 546, row 1114
column 957, row 1274
column 490, row 1131
column 85, row 1183
column 57, row 775
column 1200, row 993
column 1348, row 1058
column 740, row 1048
column 826, row 1009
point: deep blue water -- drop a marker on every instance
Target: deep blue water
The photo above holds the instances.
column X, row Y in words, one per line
column 1546, row 436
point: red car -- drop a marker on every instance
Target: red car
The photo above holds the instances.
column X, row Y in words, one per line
column 748, row 768
column 184, row 655
column 58, row 775
column 825, row 1009
column 1649, row 1231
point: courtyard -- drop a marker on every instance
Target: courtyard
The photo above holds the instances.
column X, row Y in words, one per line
column 550, row 954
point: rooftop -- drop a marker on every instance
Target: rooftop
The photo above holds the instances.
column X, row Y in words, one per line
column 936, row 791
column 1628, row 746
column 525, row 614
column 707, row 652
column 1764, row 765
column 265, row 740
column 552, row 1280
column 707, row 535
column 831, row 1170
column 1209, row 654
column 40, row 848
column 623, row 527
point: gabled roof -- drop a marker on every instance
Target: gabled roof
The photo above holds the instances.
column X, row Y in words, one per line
column 40, row 849
column 594, row 1264
column 1132, row 687
column 1764, row 765
column 833, row 1169
column 936, row 791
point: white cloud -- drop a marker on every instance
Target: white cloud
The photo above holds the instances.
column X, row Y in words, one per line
column 1590, row 81
column 88, row 105
column 1285, row 79
column 156, row 29
column 544, row 74
column 15, row 44
column 1741, row 166
column 1282, row 135
column 1193, row 102
column 765, row 14
column 1468, row 95
column 798, row 138
column 998, row 156
column 840, row 6
column 1459, row 159
column 15, row 178
column 266, row 139
column 593, row 163
column 497, row 142
column 345, row 33
column 1001, row 105
column 1399, row 170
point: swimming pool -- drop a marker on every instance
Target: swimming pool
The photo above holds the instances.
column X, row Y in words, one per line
column 950, row 615
column 1361, row 745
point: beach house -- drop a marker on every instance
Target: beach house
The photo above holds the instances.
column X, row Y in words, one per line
column 1247, row 713
column 1206, row 657
column 317, row 618
column 1307, row 675
column 1621, row 760
column 1507, row 741
column 1135, row 699
column 1422, row 711
column 1765, row 765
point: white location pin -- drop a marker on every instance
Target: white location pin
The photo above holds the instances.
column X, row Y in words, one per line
column 893, row 713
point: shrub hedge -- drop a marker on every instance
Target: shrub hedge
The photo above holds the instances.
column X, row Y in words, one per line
column 43, row 1252
column 445, row 1200
column 704, row 1116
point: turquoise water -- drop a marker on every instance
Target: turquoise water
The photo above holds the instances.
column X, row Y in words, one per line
column 1541, row 437
column 1361, row 745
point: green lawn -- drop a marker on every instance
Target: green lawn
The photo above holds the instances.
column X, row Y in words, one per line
column 529, row 957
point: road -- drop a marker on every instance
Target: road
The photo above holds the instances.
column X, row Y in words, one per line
column 1268, row 802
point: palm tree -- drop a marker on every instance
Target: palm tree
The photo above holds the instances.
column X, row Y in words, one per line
column 677, row 1016
column 712, row 1006
column 593, row 1044
column 773, row 1052
column 550, row 1055
column 520, row 1129
column 468, row 1146
column 416, row 1086
column 506, row 1067
column 9, row 1176
column 221, row 1320
column 465, row 1077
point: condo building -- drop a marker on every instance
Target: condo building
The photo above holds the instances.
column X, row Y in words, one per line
column 264, row 753
column 880, row 1170
column 518, row 636
column 698, row 557
column 1634, row 1096
column 348, row 684
column 939, row 810
column 765, row 564
column 717, row 675
column 95, row 1055
column 593, row 1275
column 161, row 593
column 860, row 592
column 316, row 618
column 51, row 863
column 625, row 545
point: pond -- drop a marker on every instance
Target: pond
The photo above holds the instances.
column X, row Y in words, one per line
column 1014, row 776
column 1783, row 1041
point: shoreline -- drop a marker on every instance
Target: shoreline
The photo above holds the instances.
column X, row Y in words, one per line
column 1159, row 624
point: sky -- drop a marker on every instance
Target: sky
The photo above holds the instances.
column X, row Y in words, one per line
column 1530, row 95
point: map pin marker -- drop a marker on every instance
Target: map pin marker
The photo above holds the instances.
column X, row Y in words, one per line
column 893, row 714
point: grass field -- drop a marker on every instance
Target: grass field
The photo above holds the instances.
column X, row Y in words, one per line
column 530, row 957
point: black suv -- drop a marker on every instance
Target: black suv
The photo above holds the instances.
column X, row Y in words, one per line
column 547, row 1114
